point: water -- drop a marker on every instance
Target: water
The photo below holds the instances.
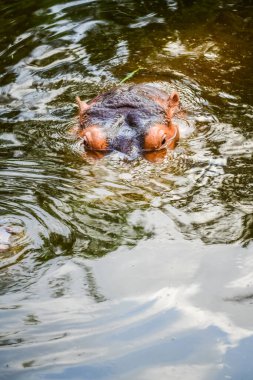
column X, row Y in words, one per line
column 115, row 270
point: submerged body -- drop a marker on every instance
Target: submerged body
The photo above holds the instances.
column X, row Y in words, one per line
column 133, row 120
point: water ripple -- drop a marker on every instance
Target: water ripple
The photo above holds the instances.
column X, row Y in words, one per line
column 116, row 270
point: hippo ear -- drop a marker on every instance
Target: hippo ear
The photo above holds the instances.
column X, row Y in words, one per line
column 174, row 99
column 173, row 102
column 83, row 106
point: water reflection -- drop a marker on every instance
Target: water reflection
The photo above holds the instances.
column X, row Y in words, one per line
column 169, row 327
column 125, row 270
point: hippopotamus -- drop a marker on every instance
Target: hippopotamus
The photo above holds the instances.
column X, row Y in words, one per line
column 133, row 120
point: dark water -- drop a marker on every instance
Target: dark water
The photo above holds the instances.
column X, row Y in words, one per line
column 114, row 270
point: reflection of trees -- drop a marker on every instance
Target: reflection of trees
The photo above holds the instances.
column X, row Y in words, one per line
column 93, row 289
column 144, row 26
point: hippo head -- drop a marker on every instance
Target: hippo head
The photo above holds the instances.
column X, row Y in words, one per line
column 132, row 120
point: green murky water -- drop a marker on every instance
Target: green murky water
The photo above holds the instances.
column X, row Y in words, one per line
column 114, row 270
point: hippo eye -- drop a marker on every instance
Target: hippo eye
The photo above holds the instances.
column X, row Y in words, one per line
column 156, row 138
column 94, row 139
column 85, row 142
column 163, row 141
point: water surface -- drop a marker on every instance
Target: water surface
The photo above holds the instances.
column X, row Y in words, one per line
column 115, row 270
